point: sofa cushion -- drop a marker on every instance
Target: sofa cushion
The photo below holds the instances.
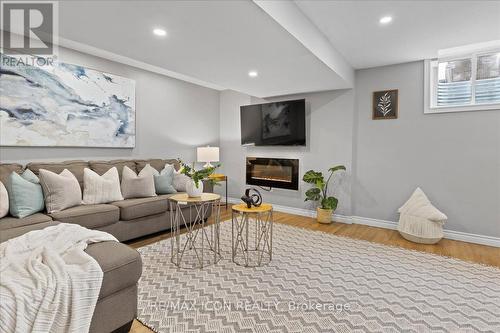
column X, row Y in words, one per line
column 182, row 204
column 134, row 208
column 121, row 265
column 89, row 216
column 157, row 163
column 75, row 167
column 7, row 168
column 100, row 167
column 7, row 234
column 9, row 222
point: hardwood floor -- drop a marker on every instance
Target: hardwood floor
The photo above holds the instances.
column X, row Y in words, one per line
column 482, row 254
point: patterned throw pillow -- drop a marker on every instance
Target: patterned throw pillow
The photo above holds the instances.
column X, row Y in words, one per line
column 137, row 186
column 163, row 180
column 25, row 194
column 101, row 189
column 4, row 201
column 61, row 191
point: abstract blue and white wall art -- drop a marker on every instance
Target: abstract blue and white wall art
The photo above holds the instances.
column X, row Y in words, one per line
column 65, row 105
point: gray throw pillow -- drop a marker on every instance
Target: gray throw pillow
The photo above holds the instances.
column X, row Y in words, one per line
column 137, row 186
column 180, row 181
column 61, row 191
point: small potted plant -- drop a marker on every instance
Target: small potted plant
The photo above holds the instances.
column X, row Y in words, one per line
column 319, row 193
column 194, row 188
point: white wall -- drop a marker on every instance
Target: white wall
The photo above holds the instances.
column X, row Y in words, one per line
column 329, row 142
column 172, row 117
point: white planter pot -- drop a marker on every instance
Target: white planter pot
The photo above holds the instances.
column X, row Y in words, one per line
column 192, row 190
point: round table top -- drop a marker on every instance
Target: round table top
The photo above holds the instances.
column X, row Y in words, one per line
column 183, row 197
column 242, row 208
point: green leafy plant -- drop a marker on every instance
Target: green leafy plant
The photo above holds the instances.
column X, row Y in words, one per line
column 320, row 190
column 197, row 175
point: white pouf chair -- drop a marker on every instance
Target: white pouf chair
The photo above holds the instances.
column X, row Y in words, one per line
column 420, row 221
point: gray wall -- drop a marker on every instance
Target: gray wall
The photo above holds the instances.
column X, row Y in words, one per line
column 329, row 142
column 453, row 157
column 172, row 117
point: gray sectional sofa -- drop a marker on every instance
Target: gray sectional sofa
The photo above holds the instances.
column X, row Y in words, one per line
column 127, row 219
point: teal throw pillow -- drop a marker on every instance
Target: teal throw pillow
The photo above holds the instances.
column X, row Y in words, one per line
column 25, row 194
column 164, row 180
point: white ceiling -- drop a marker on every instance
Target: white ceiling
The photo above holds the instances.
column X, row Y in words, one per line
column 299, row 46
column 214, row 41
column 418, row 30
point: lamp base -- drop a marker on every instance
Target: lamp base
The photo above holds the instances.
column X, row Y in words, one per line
column 208, row 165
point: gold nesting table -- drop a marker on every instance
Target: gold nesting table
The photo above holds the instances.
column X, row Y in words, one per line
column 201, row 218
column 252, row 235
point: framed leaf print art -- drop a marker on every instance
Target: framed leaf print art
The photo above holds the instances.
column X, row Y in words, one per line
column 385, row 104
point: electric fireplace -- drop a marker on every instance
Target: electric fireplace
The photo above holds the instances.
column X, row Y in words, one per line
column 273, row 172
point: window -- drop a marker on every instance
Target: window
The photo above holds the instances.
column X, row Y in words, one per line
column 464, row 83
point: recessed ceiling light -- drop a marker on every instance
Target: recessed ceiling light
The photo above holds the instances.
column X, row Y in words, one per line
column 385, row 20
column 159, row 32
column 253, row 74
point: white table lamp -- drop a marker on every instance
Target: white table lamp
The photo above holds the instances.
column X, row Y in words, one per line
column 207, row 154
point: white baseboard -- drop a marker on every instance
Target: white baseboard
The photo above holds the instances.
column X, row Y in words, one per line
column 472, row 238
column 300, row 211
column 374, row 222
column 449, row 234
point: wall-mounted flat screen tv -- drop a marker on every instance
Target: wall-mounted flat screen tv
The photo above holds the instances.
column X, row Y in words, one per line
column 274, row 124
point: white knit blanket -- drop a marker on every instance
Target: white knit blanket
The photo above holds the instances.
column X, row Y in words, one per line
column 47, row 282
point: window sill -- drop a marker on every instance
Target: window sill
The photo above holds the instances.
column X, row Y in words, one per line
column 465, row 108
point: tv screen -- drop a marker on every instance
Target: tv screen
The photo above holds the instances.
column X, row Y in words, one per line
column 274, row 124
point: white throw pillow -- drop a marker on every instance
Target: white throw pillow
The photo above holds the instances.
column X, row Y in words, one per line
column 101, row 189
column 180, row 181
column 61, row 191
column 419, row 205
column 4, row 201
column 148, row 169
column 137, row 186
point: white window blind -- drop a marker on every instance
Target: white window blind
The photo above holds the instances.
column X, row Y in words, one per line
column 465, row 83
column 454, row 82
column 488, row 79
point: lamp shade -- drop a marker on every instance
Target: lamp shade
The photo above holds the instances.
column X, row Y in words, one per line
column 208, row 154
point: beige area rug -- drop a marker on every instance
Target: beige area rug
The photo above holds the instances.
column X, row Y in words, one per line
column 319, row 282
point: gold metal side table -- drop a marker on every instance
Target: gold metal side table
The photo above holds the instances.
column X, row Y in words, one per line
column 201, row 217
column 261, row 230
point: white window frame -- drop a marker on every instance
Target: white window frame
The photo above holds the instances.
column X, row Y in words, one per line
column 430, row 82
